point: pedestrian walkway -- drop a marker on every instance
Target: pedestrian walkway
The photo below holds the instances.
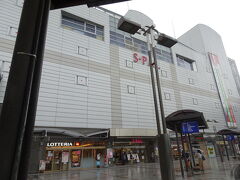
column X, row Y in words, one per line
column 149, row 171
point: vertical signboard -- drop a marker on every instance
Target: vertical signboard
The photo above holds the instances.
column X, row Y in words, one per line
column 227, row 107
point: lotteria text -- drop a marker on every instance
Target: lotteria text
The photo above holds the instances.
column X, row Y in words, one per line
column 59, row 144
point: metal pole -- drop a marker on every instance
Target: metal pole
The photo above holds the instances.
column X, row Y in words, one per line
column 179, row 152
column 155, row 106
column 159, row 92
column 190, row 144
column 225, row 146
column 166, row 161
column 27, row 141
column 17, row 95
column 154, row 90
column 184, row 152
column 219, row 148
column 234, row 153
column 238, row 142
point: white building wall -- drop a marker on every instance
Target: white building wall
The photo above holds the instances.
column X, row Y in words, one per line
column 64, row 103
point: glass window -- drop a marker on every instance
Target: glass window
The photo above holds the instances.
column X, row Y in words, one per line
column 85, row 27
column 90, row 28
column 77, row 25
column 124, row 39
column 186, row 63
column 163, row 55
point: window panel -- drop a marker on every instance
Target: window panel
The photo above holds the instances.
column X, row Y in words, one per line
column 164, row 73
column 20, row 3
column 229, row 91
column 163, row 55
column 12, row 31
column 82, row 26
column 167, row 96
column 131, row 89
column 190, row 81
column 129, row 64
column 81, row 80
column 217, row 105
column 90, row 28
column 82, row 51
column 213, row 87
column 195, row 101
column 186, row 63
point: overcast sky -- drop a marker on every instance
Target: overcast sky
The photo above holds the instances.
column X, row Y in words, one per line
column 175, row 17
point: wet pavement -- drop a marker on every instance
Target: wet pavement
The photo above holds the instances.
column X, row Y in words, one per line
column 147, row 171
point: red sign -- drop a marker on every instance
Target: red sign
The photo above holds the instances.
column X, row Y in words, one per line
column 77, row 143
column 214, row 59
column 137, row 58
column 138, row 141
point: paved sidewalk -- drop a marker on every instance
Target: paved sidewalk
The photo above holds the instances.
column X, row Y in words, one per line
column 216, row 170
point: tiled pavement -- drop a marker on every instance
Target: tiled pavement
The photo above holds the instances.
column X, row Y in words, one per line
column 214, row 170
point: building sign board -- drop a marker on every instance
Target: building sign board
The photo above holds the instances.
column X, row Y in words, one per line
column 137, row 58
column 137, row 141
column 190, row 127
column 222, row 89
column 230, row 137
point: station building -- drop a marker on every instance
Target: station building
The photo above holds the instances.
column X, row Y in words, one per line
column 96, row 94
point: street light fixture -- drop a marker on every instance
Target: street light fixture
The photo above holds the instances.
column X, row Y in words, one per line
column 128, row 26
column 132, row 27
column 166, row 40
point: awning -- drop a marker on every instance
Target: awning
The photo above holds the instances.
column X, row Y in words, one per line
column 178, row 117
column 228, row 132
column 57, row 4
column 76, row 133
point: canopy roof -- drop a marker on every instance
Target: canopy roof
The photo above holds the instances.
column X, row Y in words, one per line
column 228, row 132
column 57, row 4
column 82, row 132
column 176, row 119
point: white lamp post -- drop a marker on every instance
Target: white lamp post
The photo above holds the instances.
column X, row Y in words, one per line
column 130, row 24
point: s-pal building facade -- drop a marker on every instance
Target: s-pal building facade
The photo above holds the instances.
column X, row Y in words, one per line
column 96, row 94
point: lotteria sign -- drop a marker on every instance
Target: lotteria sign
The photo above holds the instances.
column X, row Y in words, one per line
column 142, row 59
column 59, row 144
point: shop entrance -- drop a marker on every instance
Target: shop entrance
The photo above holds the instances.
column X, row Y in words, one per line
column 73, row 155
column 57, row 160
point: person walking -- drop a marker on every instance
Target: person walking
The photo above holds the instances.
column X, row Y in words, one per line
column 201, row 158
column 98, row 158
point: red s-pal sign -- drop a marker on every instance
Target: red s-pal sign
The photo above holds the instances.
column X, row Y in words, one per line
column 137, row 58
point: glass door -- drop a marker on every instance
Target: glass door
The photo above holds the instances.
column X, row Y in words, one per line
column 57, row 160
column 64, row 160
column 49, row 159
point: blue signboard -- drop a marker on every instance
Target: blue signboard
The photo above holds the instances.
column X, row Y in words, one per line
column 190, row 127
column 230, row 137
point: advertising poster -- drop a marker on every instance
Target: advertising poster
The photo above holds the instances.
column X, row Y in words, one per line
column 42, row 165
column 65, row 157
column 223, row 92
column 76, row 157
column 109, row 153
column 211, row 151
